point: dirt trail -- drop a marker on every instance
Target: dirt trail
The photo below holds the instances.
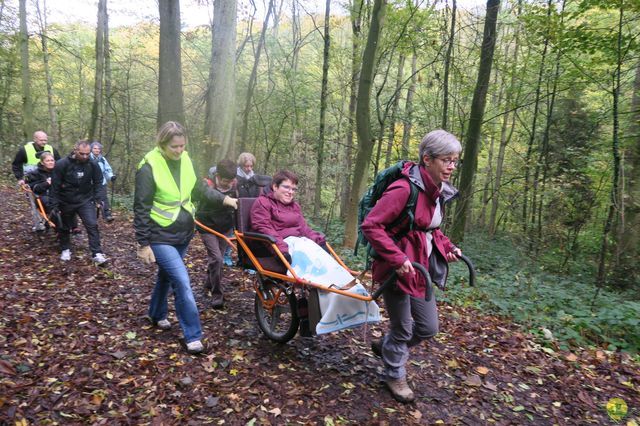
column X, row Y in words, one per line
column 75, row 348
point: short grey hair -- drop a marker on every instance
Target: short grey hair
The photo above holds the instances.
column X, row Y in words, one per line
column 246, row 156
column 438, row 143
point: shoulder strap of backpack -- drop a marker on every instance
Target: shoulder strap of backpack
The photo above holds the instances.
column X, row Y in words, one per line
column 408, row 212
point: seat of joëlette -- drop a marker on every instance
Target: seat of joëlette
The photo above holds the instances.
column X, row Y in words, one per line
column 261, row 250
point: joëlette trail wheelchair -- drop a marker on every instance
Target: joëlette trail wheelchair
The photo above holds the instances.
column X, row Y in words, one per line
column 47, row 219
column 279, row 290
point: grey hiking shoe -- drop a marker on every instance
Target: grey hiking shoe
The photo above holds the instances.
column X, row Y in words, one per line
column 65, row 256
column 400, row 389
column 163, row 324
column 100, row 259
column 195, row 347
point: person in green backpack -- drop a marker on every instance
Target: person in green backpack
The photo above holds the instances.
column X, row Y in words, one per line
column 164, row 224
column 397, row 244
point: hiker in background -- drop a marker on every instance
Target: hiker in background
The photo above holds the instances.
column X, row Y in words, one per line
column 107, row 176
column 218, row 201
column 25, row 161
column 75, row 184
column 250, row 184
column 411, row 318
column 163, row 220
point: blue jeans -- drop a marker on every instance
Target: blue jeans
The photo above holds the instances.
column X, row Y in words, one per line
column 172, row 272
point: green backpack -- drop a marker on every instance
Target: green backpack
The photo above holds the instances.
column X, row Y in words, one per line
column 381, row 182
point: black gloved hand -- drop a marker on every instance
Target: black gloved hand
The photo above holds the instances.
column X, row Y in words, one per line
column 288, row 257
column 113, row 178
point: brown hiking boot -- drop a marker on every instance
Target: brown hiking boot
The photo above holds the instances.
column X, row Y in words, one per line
column 400, row 390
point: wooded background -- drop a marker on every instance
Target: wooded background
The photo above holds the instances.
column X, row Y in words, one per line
column 544, row 95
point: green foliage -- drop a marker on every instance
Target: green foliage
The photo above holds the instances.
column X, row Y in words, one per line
column 510, row 284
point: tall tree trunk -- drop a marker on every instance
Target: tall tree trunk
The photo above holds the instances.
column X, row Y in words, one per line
column 543, row 158
column 504, row 139
column 394, row 111
column 532, row 136
column 96, row 110
column 472, row 141
column 27, row 102
column 317, row 201
column 615, row 151
column 220, row 109
column 170, row 97
column 253, row 78
column 296, row 42
column 488, row 190
column 356, row 29
column 628, row 246
column 109, row 126
column 447, row 66
column 54, row 135
column 363, row 121
column 408, row 108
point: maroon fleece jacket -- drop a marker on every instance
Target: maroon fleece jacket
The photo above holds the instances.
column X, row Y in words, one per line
column 270, row 216
column 413, row 246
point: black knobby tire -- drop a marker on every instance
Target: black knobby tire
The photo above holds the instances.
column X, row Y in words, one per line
column 281, row 322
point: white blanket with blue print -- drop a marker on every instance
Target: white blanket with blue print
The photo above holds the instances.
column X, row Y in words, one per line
column 311, row 262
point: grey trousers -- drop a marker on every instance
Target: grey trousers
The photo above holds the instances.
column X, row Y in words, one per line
column 411, row 320
column 38, row 222
column 215, row 247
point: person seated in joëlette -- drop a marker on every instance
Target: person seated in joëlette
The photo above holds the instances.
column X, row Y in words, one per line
column 277, row 213
column 39, row 180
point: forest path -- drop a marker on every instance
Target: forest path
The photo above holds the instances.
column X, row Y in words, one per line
column 75, row 348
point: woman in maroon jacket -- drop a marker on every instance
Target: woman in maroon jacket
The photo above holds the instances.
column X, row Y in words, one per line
column 278, row 215
column 412, row 319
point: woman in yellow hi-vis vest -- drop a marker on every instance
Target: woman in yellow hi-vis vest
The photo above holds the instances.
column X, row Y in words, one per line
column 164, row 226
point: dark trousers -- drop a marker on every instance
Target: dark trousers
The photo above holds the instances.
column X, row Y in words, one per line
column 215, row 247
column 103, row 197
column 87, row 213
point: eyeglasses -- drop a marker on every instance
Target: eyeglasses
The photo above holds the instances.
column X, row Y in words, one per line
column 450, row 161
column 289, row 188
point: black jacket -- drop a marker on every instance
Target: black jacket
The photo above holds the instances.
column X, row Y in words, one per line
column 252, row 187
column 74, row 183
column 37, row 180
column 21, row 159
column 147, row 230
column 211, row 212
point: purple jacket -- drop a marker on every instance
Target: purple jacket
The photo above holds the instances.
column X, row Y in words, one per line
column 413, row 246
column 270, row 216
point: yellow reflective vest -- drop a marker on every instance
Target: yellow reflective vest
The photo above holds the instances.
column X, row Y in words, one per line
column 168, row 198
column 30, row 150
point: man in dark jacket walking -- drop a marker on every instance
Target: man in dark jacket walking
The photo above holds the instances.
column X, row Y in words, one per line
column 76, row 183
column 218, row 200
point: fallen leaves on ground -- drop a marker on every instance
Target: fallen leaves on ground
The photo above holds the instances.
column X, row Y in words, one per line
column 76, row 348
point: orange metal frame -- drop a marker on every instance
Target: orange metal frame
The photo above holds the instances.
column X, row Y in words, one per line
column 294, row 278
column 41, row 209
